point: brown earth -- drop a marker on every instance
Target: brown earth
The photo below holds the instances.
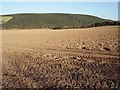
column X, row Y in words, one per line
column 71, row 58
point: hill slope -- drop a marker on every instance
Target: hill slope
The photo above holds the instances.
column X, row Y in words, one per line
column 51, row 20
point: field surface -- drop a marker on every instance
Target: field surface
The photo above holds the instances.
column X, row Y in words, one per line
column 66, row 58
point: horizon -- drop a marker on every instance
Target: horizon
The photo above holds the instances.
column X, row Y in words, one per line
column 57, row 13
column 105, row 10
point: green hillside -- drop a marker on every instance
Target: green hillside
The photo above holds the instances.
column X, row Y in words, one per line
column 52, row 20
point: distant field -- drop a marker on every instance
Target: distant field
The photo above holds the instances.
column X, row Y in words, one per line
column 54, row 21
column 5, row 19
column 74, row 58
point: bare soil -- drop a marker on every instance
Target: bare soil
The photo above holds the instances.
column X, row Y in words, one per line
column 70, row 58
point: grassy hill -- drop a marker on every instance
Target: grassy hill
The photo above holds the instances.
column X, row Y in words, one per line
column 51, row 20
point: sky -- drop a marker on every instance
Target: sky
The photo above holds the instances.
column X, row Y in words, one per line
column 107, row 10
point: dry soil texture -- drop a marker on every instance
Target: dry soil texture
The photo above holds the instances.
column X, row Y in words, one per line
column 77, row 58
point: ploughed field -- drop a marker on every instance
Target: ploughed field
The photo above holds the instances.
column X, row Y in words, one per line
column 66, row 58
